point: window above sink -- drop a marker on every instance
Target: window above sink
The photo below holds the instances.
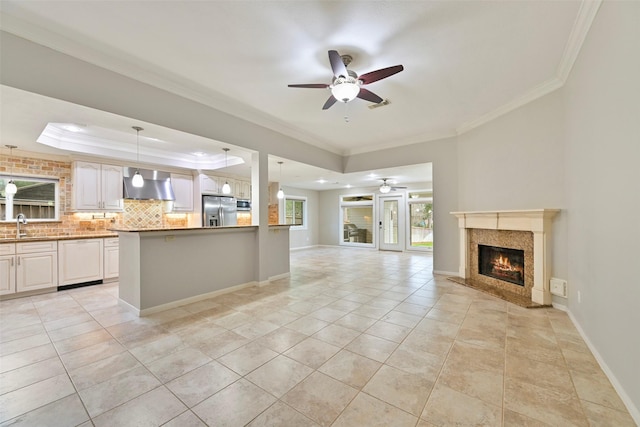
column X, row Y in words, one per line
column 37, row 198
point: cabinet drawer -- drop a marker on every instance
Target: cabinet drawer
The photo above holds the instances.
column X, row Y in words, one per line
column 111, row 241
column 33, row 247
column 8, row 249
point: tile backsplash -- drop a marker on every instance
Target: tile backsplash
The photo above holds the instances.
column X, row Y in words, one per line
column 136, row 213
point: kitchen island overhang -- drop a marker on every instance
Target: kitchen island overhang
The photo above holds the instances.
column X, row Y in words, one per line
column 165, row 268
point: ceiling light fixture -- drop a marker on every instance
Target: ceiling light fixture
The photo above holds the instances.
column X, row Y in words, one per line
column 385, row 188
column 11, row 188
column 137, row 180
column 226, row 188
column 280, row 192
column 345, row 89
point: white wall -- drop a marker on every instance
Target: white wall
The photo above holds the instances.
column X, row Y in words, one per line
column 602, row 104
column 578, row 149
column 331, row 229
column 443, row 155
column 309, row 236
column 517, row 162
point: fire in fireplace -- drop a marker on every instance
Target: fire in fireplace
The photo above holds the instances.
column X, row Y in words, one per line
column 501, row 263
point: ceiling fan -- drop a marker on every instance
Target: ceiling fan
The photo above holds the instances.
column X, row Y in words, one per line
column 385, row 188
column 346, row 85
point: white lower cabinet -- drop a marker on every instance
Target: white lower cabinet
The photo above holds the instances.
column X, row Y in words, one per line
column 36, row 266
column 111, row 258
column 7, row 269
column 80, row 261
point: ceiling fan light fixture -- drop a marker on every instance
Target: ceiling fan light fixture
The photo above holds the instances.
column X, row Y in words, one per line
column 345, row 90
column 385, row 188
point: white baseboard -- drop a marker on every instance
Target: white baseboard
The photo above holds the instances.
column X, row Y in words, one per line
column 185, row 301
column 446, row 273
column 299, row 248
column 129, row 307
column 279, row 276
column 634, row 411
column 560, row 307
column 273, row 278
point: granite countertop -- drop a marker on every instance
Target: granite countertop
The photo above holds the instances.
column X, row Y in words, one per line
column 143, row 230
column 62, row 237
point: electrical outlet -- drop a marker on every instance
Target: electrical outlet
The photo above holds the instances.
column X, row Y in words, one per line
column 169, row 238
column 558, row 287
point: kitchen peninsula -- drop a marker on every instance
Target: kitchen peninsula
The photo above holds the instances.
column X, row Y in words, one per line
column 165, row 268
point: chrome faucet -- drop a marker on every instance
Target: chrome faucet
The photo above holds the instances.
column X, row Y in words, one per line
column 20, row 219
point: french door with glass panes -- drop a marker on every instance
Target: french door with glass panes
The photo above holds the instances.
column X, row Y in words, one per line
column 391, row 229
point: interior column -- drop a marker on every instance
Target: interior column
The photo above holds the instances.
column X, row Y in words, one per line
column 260, row 211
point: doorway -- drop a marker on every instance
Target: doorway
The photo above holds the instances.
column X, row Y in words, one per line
column 391, row 228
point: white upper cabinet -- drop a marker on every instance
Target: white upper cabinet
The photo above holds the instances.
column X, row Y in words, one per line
column 240, row 189
column 243, row 189
column 209, row 184
column 97, row 187
column 183, row 190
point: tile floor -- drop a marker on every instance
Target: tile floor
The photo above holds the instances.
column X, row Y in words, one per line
column 353, row 338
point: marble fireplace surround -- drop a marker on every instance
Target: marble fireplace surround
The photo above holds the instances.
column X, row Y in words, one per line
column 536, row 221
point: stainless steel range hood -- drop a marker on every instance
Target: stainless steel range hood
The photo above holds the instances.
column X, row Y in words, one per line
column 157, row 185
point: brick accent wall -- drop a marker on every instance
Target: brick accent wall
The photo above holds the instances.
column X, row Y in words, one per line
column 136, row 214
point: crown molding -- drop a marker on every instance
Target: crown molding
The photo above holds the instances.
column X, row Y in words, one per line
column 533, row 94
column 130, row 67
column 579, row 31
column 581, row 26
column 108, row 58
column 417, row 139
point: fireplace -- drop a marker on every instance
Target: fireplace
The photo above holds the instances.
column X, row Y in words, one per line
column 521, row 276
column 501, row 263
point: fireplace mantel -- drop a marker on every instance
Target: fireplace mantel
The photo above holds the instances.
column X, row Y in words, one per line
column 537, row 221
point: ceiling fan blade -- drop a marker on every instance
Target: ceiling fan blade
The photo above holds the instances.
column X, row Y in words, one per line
column 337, row 65
column 380, row 74
column 312, row 86
column 367, row 95
column 329, row 103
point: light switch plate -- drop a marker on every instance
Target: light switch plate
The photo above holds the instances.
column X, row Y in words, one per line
column 558, row 287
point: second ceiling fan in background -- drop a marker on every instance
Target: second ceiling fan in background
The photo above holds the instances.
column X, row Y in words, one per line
column 346, row 84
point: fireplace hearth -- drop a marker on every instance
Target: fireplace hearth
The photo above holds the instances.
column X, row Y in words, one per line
column 501, row 263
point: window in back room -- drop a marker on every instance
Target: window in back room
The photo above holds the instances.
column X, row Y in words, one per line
column 357, row 219
column 295, row 212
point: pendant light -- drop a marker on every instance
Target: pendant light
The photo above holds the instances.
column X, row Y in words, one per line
column 226, row 188
column 280, row 192
column 11, row 188
column 137, row 180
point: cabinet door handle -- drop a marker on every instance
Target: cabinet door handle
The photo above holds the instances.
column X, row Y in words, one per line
column 11, row 262
column 18, row 260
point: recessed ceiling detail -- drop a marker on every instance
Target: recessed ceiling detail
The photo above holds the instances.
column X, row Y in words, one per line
column 96, row 141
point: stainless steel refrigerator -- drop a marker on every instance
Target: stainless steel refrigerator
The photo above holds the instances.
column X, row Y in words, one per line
column 219, row 211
